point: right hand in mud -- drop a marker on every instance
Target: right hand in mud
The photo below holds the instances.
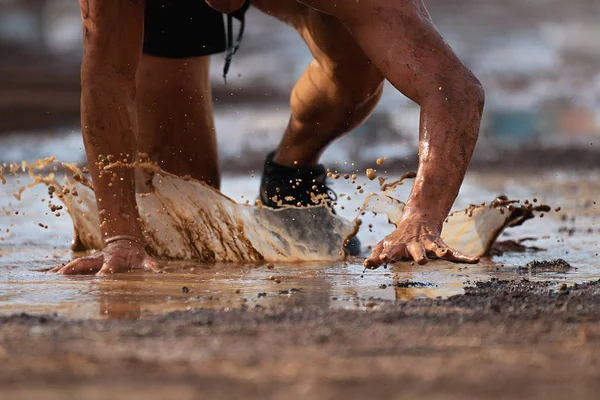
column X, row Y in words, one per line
column 117, row 257
column 415, row 238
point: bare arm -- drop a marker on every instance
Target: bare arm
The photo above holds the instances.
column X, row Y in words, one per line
column 112, row 41
column 113, row 34
column 401, row 40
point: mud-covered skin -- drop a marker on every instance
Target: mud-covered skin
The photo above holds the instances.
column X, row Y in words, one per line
column 422, row 66
column 501, row 339
column 109, row 122
column 117, row 257
column 415, row 238
column 352, row 45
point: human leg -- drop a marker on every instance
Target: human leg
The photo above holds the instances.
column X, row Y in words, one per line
column 174, row 99
column 337, row 91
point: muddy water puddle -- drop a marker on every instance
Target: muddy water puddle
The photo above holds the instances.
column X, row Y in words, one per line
column 24, row 288
column 28, row 248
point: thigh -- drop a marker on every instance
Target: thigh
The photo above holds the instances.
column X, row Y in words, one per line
column 328, row 40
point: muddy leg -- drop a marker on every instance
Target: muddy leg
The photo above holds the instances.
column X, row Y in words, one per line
column 175, row 117
column 337, row 91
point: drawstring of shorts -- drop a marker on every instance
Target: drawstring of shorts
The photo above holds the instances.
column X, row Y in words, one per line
column 232, row 47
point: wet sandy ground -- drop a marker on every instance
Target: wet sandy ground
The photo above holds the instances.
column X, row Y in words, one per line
column 494, row 330
column 499, row 341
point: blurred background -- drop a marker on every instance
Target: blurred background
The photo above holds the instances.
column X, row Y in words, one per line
column 539, row 61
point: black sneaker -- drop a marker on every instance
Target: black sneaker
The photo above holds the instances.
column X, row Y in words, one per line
column 299, row 187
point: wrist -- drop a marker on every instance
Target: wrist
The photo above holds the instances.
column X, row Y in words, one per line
column 429, row 214
column 122, row 238
column 119, row 231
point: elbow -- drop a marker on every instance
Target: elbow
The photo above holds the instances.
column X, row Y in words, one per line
column 459, row 90
column 475, row 93
column 466, row 91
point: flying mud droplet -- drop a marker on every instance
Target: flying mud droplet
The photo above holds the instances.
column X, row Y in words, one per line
column 371, row 174
column 392, row 185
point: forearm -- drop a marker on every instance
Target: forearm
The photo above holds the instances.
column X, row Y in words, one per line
column 108, row 119
column 450, row 119
column 113, row 35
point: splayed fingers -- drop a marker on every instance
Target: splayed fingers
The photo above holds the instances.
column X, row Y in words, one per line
column 81, row 266
column 421, row 251
column 415, row 239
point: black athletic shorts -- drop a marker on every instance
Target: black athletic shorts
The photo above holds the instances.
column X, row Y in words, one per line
column 186, row 28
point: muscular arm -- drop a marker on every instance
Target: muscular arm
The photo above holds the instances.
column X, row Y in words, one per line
column 401, row 40
column 113, row 34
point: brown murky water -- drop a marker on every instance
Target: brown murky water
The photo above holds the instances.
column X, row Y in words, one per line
column 28, row 248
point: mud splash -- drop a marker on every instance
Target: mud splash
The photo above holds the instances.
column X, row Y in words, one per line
column 28, row 249
column 187, row 220
column 184, row 219
column 472, row 231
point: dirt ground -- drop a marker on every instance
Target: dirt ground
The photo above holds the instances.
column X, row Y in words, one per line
column 499, row 340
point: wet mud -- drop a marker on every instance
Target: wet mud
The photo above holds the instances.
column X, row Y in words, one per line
column 499, row 339
column 183, row 219
column 535, row 266
column 507, row 327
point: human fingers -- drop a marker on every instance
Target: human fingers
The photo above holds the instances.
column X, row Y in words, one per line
column 436, row 247
column 111, row 267
column 84, row 265
column 150, row 264
column 393, row 252
column 417, row 252
column 374, row 260
column 457, row 256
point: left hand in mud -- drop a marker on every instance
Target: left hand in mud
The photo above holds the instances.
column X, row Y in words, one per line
column 415, row 238
column 117, row 257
